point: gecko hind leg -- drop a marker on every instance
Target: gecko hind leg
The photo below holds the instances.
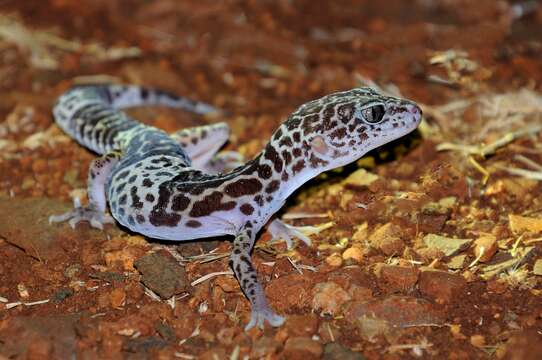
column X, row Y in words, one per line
column 248, row 280
column 95, row 211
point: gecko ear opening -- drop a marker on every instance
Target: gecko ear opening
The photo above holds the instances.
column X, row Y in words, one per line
column 319, row 145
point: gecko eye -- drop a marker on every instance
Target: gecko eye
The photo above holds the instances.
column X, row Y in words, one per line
column 374, row 114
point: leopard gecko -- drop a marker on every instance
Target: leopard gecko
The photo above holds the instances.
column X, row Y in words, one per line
column 175, row 187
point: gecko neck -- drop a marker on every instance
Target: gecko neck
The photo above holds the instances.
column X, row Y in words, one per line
column 282, row 174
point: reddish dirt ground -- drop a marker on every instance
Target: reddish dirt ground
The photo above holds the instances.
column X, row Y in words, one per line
column 423, row 253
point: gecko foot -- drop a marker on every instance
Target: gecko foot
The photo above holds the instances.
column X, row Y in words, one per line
column 280, row 230
column 259, row 316
column 224, row 161
column 96, row 218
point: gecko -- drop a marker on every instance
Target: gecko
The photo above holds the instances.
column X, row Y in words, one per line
column 177, row 187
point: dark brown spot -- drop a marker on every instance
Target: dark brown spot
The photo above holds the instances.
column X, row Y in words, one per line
column 297, row 136
column 136, row 203
column 209, row 204
column 272, row 155
column 243, row 187
column 193, row 223
column 338, row 133
column 285, row 141
column 297, row 152
column 284, row 176
column 272, row 187
column 159, row 216
column 315, row 161
column 149, row 197
column 140, row 218
column 147, row 183
column 292, row 122
column 300, row 165
column 123, row 174
column 264, row 171
column 179, row 202
column 246, row 209
column 287, row 157
column 259, row 199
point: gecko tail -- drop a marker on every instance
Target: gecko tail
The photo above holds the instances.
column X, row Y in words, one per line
column 92, row 114
column 125, row 96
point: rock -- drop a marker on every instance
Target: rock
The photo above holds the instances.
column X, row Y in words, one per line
column 61, row 295
column 334, row 260
column 362, row 233
column 537, row 267
column 165, row 331
column 442, row 286
column 41, row 240
column 117, row 297
column 520, row 224
column 383, row 315
column 291, row 291
column 457, row 262
column 525, row 345
column 162, row 274
column 485, row 247
column 335, row 351
column 39, row 337
column 360, row 293
column 360, row 177
column 396, row 278
column 328, row 298
column 448, row 246
column 227, row 283
column 478, row 341
column 263, row 347
column 302, row 348
column 121, row 252
column 143, row 344
column 353, row 253
column 387, row 238
column 225, row 336
column 301, row 325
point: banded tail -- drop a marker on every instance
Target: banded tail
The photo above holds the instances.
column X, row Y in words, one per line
column 92, row 115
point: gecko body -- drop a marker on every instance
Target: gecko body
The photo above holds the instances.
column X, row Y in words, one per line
column 163, row 186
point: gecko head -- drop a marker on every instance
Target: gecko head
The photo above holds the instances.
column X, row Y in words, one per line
column 340, row 128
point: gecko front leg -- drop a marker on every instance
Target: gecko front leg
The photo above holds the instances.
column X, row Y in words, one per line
column 95, row 211
column 201, row 144
column 248, row 279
